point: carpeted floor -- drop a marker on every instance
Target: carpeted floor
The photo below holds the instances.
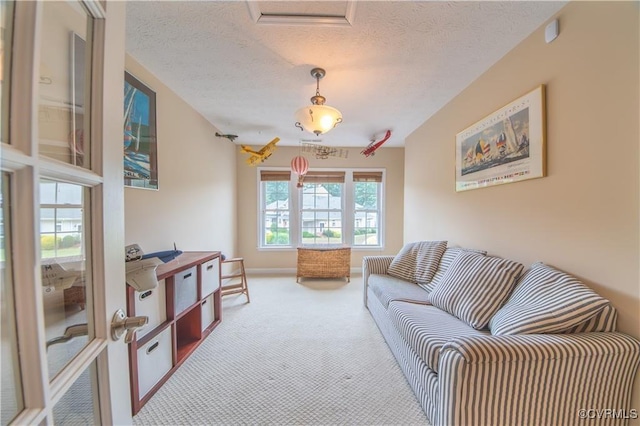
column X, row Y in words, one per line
column 304, row 354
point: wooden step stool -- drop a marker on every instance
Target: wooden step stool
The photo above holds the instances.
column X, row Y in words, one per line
column 235, row 282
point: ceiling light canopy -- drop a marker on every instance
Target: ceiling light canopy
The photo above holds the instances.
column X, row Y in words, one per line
column 318, row 118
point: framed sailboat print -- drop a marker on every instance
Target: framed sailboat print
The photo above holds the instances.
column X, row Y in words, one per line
column 504, row 147
column 140, row 143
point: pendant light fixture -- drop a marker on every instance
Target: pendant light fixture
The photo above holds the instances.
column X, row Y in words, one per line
column 318, row 118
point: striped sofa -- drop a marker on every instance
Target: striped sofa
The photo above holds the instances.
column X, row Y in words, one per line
column 465, row 375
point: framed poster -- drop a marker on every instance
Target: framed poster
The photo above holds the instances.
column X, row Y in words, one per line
column 140, row 143
column 506, row 146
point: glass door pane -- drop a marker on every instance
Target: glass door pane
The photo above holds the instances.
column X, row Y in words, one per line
column 77, row 406
column 11, row 387
column 66, row 280
column 65, row 74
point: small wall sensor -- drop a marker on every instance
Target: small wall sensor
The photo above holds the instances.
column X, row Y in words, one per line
column 551, row 32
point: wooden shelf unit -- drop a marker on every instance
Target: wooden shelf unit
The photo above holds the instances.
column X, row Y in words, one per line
column 189, row 284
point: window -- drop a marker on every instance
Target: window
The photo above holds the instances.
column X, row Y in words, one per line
column 367, row 187
column 332, row 207
column 61, row 217
column 322, row 208
column 275, row 193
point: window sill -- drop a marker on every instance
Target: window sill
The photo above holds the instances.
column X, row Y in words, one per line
column 279, row 248
column 367, row 248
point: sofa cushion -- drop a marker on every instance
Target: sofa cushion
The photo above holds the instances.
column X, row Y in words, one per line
column 387, row 288
column 417, row 262
column 475, row 287
column 546, row 300
column 604, row 320
column 426, row 329
column 449, row 255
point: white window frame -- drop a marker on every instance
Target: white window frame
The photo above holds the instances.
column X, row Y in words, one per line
column 380, row 211
column 295, row 213
column 261, row 213
column 328, row 210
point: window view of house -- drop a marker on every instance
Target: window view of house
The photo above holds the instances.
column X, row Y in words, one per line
column 321, row 213
column 367, row 193
column 60, row 219
column 276, row 213
column 331, row 208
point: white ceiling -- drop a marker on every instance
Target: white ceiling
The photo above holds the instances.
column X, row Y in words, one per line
column 389, row 64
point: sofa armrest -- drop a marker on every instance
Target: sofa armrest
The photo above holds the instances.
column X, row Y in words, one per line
column 536, row 379
column 373, row 265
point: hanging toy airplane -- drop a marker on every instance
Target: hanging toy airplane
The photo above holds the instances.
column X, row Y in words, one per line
column 261, row 155
column 373, row 146
column 228, row 136
column 322, row 152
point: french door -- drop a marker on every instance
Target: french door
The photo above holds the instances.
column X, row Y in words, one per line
column 62, row 222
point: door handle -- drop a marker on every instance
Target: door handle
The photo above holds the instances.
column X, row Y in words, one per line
column 122, row 324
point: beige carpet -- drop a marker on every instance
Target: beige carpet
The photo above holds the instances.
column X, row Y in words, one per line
column 304, row 354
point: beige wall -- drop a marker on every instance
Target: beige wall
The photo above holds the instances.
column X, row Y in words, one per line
column 391, row 159
column 195, row 205
column 584, row 216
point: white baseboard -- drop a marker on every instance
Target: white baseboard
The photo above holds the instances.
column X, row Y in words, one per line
column 271, row 271
column 287, row 271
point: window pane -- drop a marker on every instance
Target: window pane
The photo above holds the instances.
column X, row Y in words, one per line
column 321, row 227
column 276, row 213
column 322, row 213
column 65, row 70
column 48, row 192
column 366, row 195
column 78, row 406
column 12, row 400
column 68, row 194
column 365, row 229
column 6, row 33
column 65, row 279
column 366, row 209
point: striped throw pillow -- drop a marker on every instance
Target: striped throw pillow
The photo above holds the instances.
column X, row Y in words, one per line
column 546, row 300
column 428, row 259
column 475, row 287
column 449, row 255
column 417, row 261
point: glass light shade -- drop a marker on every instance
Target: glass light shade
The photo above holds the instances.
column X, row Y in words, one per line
column 318, row 119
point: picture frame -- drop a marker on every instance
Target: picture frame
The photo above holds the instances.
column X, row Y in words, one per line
column 140, row 141
column 506, row 146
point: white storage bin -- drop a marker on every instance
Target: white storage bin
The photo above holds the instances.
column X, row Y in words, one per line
column 152, row 304
column 185, row 289
column 154, row 361
column 210, row 276
column 208, row 312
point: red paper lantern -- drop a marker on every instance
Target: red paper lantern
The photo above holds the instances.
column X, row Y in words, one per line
column 299, row 165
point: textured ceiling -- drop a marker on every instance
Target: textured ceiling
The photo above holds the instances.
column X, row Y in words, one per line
column 392, row 68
